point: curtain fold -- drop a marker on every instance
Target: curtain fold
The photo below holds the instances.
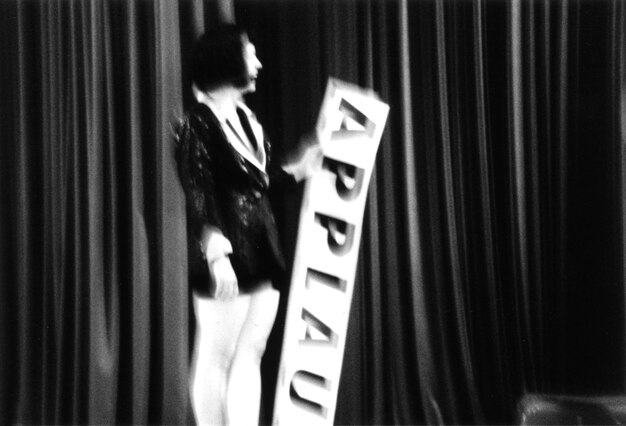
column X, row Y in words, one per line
column 422, row 327
column 93, row 218
column 618, row 80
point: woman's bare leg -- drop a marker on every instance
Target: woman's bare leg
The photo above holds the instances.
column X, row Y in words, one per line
column 218, row 327
column 244, row 386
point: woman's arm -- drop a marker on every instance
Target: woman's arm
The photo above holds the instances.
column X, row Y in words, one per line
column 195, row 165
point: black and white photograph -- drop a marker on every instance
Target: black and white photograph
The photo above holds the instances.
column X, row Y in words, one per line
column 312, row 212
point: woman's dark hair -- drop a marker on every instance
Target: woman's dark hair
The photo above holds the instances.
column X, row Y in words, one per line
column 217, row 58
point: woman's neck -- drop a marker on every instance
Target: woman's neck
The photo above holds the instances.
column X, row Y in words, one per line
column 225, row 97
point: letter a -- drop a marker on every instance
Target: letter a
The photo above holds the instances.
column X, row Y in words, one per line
column 354, row 119
column 315, row 326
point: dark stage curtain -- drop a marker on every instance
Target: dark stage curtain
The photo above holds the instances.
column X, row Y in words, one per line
column 93, row 304
column 492, row 259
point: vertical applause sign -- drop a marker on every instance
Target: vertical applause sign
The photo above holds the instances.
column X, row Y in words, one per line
column 350, row 126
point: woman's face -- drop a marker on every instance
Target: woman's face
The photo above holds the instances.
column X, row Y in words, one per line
column 253, row 65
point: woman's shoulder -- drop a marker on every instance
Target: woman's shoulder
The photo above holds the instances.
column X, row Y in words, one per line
column 199, row 113
column 196, row 120
column 192, row 133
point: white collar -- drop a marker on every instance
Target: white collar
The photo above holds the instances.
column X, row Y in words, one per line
column 224, row 103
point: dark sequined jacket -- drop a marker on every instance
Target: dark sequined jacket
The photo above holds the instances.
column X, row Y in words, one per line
column 224, row 190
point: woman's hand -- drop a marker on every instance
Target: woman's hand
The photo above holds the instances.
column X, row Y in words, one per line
column 307, row 159
column 223, row 278
column 216, row 249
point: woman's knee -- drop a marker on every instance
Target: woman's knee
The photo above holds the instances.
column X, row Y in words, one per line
column 250, row 353
column 223, row 358
column 253, row 340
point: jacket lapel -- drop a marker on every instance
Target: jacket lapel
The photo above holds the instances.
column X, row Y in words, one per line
column 238, row 153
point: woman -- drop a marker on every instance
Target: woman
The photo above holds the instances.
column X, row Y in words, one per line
column 226, row 168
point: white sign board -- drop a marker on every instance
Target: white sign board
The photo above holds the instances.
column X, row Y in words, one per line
column 350, row 126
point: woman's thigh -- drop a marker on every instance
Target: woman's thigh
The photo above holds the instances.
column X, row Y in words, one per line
column 219, row 324
column 259, row 319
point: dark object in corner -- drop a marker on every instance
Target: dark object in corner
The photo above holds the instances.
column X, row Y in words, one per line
column 539, row 409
